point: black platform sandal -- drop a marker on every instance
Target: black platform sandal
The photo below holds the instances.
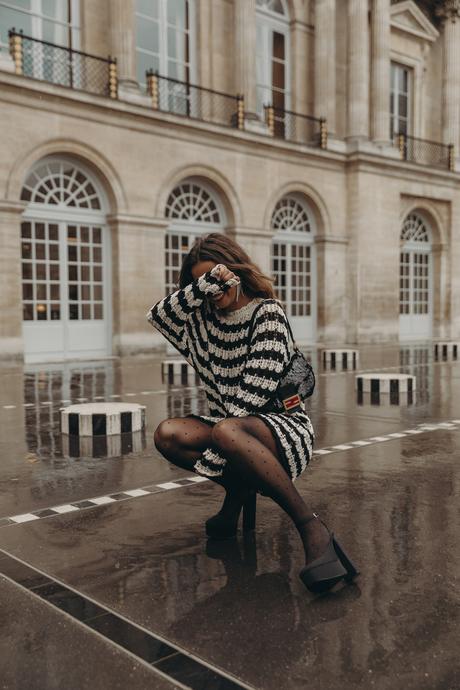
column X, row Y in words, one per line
column 218, row 527
column 332, row 566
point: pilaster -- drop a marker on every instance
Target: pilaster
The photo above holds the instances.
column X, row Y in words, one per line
column 138, row 246
column 10, row 281
column 245, row 53
column 123, row 47
column 380, row 72
column 358, row 70
column 325, row 62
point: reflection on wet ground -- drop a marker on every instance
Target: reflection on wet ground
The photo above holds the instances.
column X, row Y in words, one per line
column 239, row 606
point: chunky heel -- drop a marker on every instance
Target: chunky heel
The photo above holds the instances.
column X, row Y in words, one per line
column 323, row 573
column 348, row 564
column 332, row 566
column 249, row 513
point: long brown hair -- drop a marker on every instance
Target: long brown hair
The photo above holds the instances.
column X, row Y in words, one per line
column 223, row 250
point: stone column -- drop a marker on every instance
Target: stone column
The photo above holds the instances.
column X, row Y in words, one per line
column 123, row 47
column 358, row 70
column 245, row 52
column 11, row 343
column 451, row 82
column 138, row 247
column 380, row 73
column 325, row 62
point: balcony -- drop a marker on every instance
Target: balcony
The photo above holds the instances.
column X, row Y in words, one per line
column 63, row 66
column 426, row 152
column 196, row 102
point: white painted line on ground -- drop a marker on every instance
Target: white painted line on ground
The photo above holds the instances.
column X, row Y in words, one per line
column 169, row 485
column 29, row 405
column 396, row 435
column 362, row 443
column 102, row 500
column 64, row 509
column 136, row 492
column 342, row 447
column 413, row 431
column 27, row 517
column 322, row 451
column 9, row 407
column 378, row 439
column 197, row 480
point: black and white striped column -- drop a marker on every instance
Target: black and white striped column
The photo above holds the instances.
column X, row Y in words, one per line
column 178, row 371
column 445, row 351
column 102, row 419
column 382, row 388
column 340, row 359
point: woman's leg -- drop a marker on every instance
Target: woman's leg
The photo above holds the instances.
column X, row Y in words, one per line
column 182, row 442
column 251, row 452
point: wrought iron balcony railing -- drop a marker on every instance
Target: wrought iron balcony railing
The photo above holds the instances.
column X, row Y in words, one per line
column 181, row 98
column 426, row 152
column 295, row 127
column 63, row 66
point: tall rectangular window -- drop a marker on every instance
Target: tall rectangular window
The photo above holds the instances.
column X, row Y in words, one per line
column 55, row 21
column 400, row 99
column 163, row 36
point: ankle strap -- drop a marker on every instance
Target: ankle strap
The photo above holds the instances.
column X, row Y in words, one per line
column 314, row 516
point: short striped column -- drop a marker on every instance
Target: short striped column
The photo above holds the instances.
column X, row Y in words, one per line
column 445, row 351
column 112, row 446
column 381, row 388
column 340, row 359
column 102, row 419
column 178, row 371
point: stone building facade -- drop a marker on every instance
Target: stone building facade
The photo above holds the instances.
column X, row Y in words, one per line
column 323, row 135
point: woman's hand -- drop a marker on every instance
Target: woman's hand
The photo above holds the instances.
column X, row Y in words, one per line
column 223, row 273
column 226, row 276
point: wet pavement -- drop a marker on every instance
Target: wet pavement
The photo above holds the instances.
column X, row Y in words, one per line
column 108, row 580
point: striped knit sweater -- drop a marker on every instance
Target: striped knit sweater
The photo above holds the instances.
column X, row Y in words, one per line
column 239, row 378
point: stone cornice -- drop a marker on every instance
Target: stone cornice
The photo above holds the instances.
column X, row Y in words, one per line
column 448, row 9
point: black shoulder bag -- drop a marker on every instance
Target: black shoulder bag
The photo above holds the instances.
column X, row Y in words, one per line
column 297, row 382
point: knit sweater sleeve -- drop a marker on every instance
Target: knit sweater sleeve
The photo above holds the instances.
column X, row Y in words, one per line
column 170, row 314
column 267, row 358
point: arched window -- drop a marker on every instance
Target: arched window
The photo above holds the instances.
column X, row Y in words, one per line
column 272, row 62
column 165, row 38
column 415, row 278
column 192, row 208
column 64, row 245
column 293, row 262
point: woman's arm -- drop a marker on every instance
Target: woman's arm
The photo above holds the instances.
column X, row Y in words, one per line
column 267, row 358
column 170, row 314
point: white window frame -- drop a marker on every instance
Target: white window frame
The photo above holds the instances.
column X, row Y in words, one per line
column 64, row 216
column 71, row 29
column 163, row 56
column 414, row 326
column 395, row 68
column 270, row 22
column 288, row 238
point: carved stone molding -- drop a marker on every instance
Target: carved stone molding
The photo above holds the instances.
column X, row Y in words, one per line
column 448, row 9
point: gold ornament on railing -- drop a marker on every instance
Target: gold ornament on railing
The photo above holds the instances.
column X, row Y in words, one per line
column 152, row 89
column 16, row 51
column 270, row 119
column 323, row 133
column 240, row 112
column 113, row 79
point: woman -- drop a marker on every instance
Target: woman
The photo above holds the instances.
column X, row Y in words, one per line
column 248, row 443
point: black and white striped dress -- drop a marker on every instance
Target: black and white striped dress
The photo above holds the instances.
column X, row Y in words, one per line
column 239, row 378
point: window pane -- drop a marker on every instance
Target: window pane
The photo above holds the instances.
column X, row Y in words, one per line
column 147, row 35
column 147, row 7
column 177, row 12
column 278, row 46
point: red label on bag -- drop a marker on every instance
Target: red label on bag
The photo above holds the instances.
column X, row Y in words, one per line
column 291, row 402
